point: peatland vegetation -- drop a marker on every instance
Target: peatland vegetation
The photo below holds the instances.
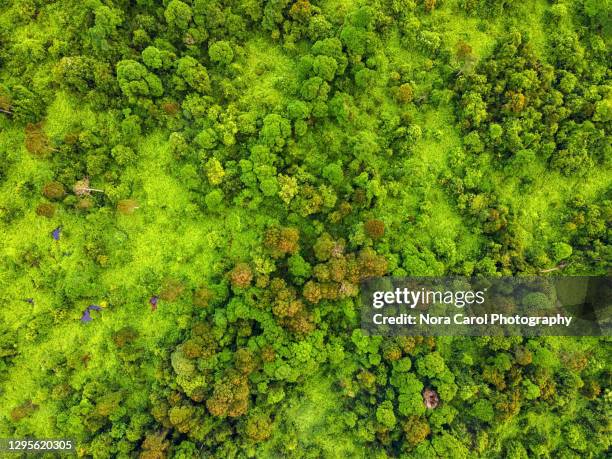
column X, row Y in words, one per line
column 191, row 192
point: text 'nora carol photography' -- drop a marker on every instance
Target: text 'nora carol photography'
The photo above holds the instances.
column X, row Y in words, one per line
column 507, row 306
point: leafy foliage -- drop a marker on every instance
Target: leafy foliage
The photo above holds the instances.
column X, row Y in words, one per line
column 217, row 178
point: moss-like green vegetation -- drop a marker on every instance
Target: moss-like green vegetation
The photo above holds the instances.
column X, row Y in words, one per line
column 192, row 190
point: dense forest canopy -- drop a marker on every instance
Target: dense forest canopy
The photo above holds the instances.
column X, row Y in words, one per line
column 191, row 192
